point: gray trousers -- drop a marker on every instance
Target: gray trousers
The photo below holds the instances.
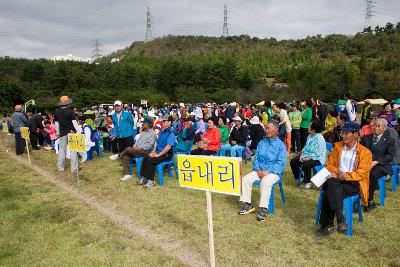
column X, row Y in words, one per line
column 63, row 144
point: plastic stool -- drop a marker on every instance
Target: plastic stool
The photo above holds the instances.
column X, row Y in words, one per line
column 382, row 190
column 271, row 204
column 395, row 177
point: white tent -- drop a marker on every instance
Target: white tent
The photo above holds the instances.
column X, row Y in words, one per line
column 378, row 101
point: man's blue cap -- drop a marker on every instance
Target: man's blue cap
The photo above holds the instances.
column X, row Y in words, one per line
column 148, row 120
column 350, row 127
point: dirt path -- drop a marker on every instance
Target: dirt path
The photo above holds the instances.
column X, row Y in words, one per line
column 171, row 247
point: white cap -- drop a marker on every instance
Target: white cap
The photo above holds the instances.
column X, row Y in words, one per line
column 255, row 120
column 118, row 103
column 151, row 114
column 192, row 113
column 181, row 105
column 110, row 107
column 237, row 118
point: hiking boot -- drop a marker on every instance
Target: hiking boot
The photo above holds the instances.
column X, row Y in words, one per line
column 114, row 157
column 141, row 181
column 371, row 206
column 149, row 184
column 126, row 178
column 324, row 230
column 262, row 214
column 247, row 208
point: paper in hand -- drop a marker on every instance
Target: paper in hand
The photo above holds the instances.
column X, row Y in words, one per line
column 320, row 178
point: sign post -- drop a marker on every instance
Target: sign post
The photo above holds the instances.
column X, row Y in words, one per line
column 76, row 142
column 211, row 174
column 25, row 135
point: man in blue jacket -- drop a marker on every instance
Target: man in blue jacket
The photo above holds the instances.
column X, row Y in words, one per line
column 123, row 125
column 268, row 165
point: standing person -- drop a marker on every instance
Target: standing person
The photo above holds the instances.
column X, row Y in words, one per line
column 162, row 151
column 65, row 122
column 269, row 163
column 306, row 118
column 257, row 132
column 323, row 110
column 123, row 125
column 19, row 120
column 350, row 109
column 295, row 120
column 281, row 110
column 35, row 126
column 50, row 129
column 366, row 113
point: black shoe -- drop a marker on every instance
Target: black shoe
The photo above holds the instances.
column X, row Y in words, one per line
column 247, row 208
column 342, row 227
column 262, row 214
column 324, row 230
column 371, row 206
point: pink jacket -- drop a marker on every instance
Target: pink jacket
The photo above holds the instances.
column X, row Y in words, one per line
column 51, row 130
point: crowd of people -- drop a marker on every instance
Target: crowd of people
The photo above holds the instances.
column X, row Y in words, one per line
column 269, row 135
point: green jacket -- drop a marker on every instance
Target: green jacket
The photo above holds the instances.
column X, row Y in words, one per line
column 224, row 133
column 306, row 118
column 295, row 119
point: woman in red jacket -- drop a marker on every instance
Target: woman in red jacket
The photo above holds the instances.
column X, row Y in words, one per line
column 211, row 140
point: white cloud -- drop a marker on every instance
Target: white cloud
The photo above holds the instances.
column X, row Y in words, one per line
column 44, row 28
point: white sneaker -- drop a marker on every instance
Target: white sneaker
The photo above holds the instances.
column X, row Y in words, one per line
column 126, row 178
column 114, row 157
column 307, row 185
column 83, row 160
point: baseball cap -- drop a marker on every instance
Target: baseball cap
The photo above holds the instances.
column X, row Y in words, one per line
column 148, row 120
column 237, row 118
column 350, row 127
column 118, row 103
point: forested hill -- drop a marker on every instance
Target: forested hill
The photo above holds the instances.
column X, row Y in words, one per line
column 198, row 68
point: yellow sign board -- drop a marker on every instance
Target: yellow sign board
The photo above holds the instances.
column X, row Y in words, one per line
column 4, row 127
column 76, row 142
column 25, row 133
column 215, row 174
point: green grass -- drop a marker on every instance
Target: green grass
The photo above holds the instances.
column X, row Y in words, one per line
column 179, row 214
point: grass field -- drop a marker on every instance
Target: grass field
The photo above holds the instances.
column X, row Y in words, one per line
column 42, row 225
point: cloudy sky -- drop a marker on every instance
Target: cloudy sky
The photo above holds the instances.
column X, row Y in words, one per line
column 46, row 28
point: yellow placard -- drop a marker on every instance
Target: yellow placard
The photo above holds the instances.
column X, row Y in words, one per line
column 80, row 143
column 72, row 142
column 215, row 174
column 76, row 142
column 25, row 133
column 4, row 127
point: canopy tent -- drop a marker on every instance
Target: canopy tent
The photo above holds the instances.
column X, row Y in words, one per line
column 378, row 101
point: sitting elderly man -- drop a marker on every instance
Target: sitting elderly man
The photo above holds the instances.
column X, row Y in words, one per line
column 383, row 149
column 268, row 165
column 142, row 147
column 349, row 165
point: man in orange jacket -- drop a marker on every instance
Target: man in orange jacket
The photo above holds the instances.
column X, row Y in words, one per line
column 349, row 165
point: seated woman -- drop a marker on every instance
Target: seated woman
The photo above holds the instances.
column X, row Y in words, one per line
column 186, row 138
column 211, row 140
column 223, row 129
column 313, row 153
column 349, row 165
column 237, row 138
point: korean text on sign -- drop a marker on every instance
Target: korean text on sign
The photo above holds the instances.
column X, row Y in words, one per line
column 216, row 174
column 76, row 142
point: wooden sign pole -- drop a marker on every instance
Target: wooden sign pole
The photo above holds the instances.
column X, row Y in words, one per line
column 77, row 174
column 210, row 229
column 27, row 151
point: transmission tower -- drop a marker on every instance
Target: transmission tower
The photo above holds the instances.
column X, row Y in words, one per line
column 97, row 49
column 369, row 12
column 225, row 27
column 149, row 34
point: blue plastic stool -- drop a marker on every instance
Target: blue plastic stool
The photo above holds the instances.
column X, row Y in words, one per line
column 382, row 190
column 138, row 166
column 241, row 152
column 329, row 146
column 395, row 177
column 348, row 210
column 271, row 204
column 160, row 169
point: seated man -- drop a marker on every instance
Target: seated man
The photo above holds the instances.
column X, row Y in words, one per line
column 268, row 165
column 383, row 147
column 211, row 140
column 162, row 152
column 237, row 138
column 313, row 153
column 349, row 165
column 141, row 148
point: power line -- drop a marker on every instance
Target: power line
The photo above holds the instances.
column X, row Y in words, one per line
column 225, row 27
column 149, row 33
